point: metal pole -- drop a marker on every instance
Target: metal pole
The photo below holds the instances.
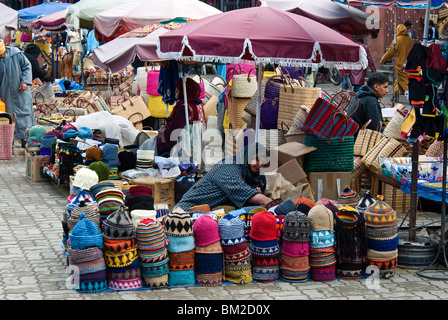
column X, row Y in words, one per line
column 257, row 115
column 425, row 30
column 187, row 122
column 414, row 199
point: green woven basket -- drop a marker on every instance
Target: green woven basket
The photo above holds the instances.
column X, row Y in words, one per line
column 331, row 154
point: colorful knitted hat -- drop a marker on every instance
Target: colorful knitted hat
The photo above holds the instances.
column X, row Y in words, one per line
column 294, row 268
column 101, row 169
column 118, row 225
column 94, row 154
column 140, row 190
column 100, row 186
column 109, row 200
column 321, row 218
column 150, row 235
column 236, row 252
column 231, row 230
column 85, row 133
column 214, row 247
column 264, row 226
column 143, row 202
column 295, row 249
column 85, row 234
column 208, row 263
column 181, row 261
column 265, row 247
column 380, row 214
column 180, row 244
column 178, row 224
column 266, row 274
column 121, row 259
column 138, row 215
column 156, row 282
column 348, row 197
column 110, row 154
column 239, row 276
column 87, row 260
column 205, row 231
column 296, row 227
column 47, row 140
column 181, row 278
column 304, row 205
column 209, row 279
column 330, row 204
column 322, row 239
column 85, row 178
column 285, row 207
column 89, row 211
column 365, row 202
column 95, row 282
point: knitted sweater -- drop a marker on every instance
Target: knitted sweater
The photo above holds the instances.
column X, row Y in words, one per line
column 222, row 185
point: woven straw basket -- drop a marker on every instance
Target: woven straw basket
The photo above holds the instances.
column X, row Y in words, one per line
column 367, row 139
column 435, row 149
column 244, row 85
column 210, row 107
column 386, row 147
column 292, row 98
column 393, row 129
column 235, row 107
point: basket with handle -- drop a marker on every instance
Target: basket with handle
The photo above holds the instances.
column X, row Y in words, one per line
column 7, row 138
column 367, row 139
column 386, row 147
column 244, row 85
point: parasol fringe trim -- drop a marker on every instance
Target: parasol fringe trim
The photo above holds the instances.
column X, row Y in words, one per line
column 361, row 64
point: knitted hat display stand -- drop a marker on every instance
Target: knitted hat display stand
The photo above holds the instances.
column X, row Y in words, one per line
column 382, row 237
column 209, row 258
column 264, row 247
column 86, row 258
column 350, row 243
column 120, row 251
column 237, row 256
column 294, row 257
column 152, row 248
column 179, row 231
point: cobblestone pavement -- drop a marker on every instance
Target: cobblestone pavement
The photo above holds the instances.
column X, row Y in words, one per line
column 33, row 265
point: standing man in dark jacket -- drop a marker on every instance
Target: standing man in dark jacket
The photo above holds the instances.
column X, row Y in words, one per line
column 32, row 52
column 369, row 107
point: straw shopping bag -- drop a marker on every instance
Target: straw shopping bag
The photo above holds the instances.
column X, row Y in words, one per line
column 367, row 139
column 294, row 95
column 235, row 109
column 7, row 137
column 269, row 113
column 244, row 85
column 393, row 128
column 435, row 149
column 327, row 117
column 133, row 108
column 157, row 107
column 386, row 147
column 210, row 107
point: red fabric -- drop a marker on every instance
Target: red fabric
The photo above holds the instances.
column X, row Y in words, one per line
column 435, row 59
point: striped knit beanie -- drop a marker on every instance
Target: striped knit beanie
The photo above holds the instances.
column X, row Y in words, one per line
column 348, row 197
column 150, row 235
column 231, row 230
column 380, row 214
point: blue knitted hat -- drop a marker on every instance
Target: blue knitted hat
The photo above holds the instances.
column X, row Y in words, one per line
column 46, row 141
column 180, row 244
column 322, row 239
column 231, row 229
column 70, row 133
column 110, row 156
column 181, row 278
column 285, row 207
column 85, row 133
column 85, row 234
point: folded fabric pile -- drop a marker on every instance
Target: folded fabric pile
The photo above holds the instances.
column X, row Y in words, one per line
column 351, row 243
column 85, row 257
column 209, row 259
column 110, row 158
column 179, row 231
column 382, row 237
column 294, row 257
column 120, row 251
column 152, row 248
column 265, row 249
column 145, row 159
column 109, row 200
column 322, row 256
column 140, row 197
column 237, row 265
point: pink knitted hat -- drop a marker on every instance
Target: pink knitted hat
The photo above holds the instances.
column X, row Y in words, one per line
column 205, row 231
column 296, row 249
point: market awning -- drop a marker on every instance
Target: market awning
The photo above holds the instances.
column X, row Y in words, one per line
column 28, row 15
column 53, row 22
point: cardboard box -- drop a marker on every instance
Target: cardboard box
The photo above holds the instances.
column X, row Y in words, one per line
column 328, row 184
column 292, row 171
column 287, row 151
column 33, row 169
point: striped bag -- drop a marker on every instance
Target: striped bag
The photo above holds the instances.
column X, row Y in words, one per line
column 327, row 118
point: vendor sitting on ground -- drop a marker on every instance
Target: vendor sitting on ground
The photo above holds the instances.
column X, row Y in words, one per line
column 369, row 107
column 234, row 181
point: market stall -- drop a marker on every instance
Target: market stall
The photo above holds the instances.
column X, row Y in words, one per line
column 123, row 228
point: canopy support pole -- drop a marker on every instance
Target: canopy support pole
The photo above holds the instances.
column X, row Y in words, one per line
column 257, row 115
column 426, row 29
column 187, row 122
